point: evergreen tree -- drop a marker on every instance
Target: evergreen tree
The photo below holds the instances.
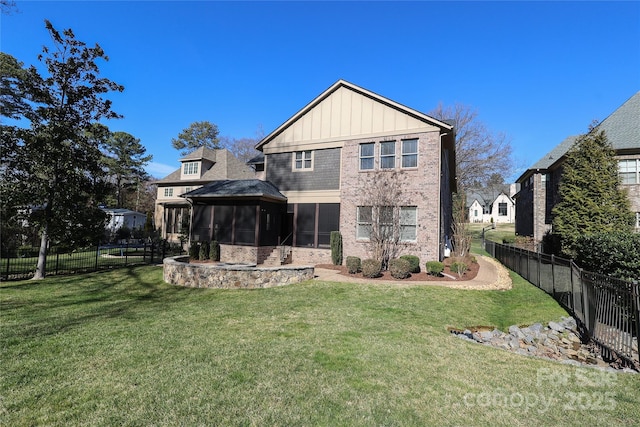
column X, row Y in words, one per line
column 198, row 134
column 591, row 200
column 55, row 166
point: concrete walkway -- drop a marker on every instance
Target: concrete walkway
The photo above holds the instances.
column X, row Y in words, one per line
column 491, row 276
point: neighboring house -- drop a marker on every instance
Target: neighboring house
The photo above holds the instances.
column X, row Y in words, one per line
column 198, row 168
column 485, row 206
column 318, row 166
column 119, row 218
column 539, row 184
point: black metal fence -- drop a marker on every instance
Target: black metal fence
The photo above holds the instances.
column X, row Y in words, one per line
column 606, row 308
column 22, row 264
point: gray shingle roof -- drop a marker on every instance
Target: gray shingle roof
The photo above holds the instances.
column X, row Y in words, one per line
column 225, row 165
column 622, row 129
column 236, row 188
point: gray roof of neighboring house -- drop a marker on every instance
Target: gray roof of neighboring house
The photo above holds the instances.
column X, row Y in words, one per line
column 622, row 129
column 237, row 188
column 486, row 196
column 225, row 166
column 258, row 159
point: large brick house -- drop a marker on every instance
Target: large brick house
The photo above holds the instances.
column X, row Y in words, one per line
column 318, row 169
column 539, row 184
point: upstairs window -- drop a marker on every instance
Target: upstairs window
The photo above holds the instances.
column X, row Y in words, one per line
column 629, row 171
column 388, row 155
column 367, row 155
column 410, row 153
column 168, row 192
column 502, row 209
column 190, row 168
column 303, row 160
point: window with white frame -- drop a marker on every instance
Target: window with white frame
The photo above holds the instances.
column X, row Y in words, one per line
column 502, row 209
column 168, row 192
column 367, row 156
column 303, row 160
column 629, row 171
column 364, row 222
column 388, row 221
column 637, row 219
column 410, row 153
column 408, row 223
column 387, row 155
column 190, row 168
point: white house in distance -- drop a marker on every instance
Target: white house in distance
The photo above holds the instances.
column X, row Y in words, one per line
column 485, row 206
column 119, row 218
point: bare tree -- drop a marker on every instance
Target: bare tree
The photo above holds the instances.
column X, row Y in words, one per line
column 480, row 152
column 461, row 233
column 243, row 148
column 380, row 204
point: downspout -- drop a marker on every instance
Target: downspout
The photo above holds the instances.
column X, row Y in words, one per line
column 440, row 214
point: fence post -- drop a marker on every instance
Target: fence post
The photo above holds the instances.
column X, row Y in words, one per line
column 126, row 253
column 585, row 301
column 97, row 255
column 57, row 261
column 635, row 294
column 8, row 260
column 553, row 277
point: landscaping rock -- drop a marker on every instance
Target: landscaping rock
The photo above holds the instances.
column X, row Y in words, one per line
column 560, row 341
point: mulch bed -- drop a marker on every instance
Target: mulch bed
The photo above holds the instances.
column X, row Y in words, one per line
column 416, row 277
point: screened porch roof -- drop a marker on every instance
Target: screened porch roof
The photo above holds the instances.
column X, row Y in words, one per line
column 236, row 189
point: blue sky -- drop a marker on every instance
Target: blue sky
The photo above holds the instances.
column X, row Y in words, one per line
column 537, row 71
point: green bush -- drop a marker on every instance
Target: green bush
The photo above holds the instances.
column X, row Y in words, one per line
column 335, row 241
column 371, row 268
column 194, row 251
column 509, row 240
column 204, row 251
column 613, row 254
column 434, row 268
column 214, row 251
column 400, row 268
column 459, row 268
column 354, row 264
column 414, row 261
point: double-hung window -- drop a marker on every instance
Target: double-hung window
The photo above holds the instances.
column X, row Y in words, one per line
column 364, row 222
column 303, row 160
column 408, row 223
column 502, row 209
column 387, row 155
column 629, row 171
column 168, row 192
column 190, row 168
column 367, row 156
column 410, row 153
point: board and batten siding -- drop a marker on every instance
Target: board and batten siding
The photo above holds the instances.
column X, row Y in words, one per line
column 343, row 115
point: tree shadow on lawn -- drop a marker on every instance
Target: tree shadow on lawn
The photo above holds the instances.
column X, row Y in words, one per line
column 49, row 307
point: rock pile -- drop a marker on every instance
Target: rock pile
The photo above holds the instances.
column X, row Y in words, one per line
column 559, row 341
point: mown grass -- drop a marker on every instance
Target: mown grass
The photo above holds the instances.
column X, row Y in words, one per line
column 124, row 348
column 501, row 231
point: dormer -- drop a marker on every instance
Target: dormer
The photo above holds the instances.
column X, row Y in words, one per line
column 195, row 164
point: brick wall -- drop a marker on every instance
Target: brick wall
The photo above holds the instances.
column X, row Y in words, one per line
column 420, row 189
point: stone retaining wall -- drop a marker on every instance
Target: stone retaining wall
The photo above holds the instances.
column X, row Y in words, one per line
column 178, row 271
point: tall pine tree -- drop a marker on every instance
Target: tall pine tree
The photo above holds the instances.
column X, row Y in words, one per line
column 591, row 200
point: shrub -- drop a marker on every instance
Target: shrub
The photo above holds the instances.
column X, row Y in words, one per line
column 371, row 268
column 400, row 268
column 459, row 268
column 194, row 251
column 335, row 241
column 435, row 268
column 509, row 240
column 414, row 261
column 204, row 251
column 614, row 254
column 473, row 259
column 354, row 264
column 214, row 251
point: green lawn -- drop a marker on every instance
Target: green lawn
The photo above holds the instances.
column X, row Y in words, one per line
column 496, row 235
column 123, row 348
